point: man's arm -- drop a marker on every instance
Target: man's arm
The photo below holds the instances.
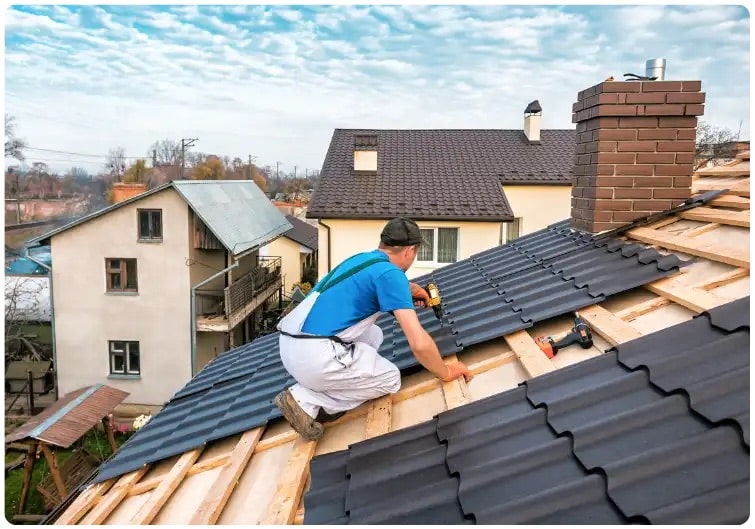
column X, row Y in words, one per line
column 425, row 350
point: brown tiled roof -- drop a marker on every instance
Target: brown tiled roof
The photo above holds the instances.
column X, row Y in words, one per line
column 303, row 233
column 438, row 174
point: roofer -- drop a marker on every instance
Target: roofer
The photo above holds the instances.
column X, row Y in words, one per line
column 329, row 343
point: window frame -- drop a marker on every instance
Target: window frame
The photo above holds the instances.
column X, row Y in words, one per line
column 148, row 238
column 123, row 271
column 435, row 245
column 125, row 351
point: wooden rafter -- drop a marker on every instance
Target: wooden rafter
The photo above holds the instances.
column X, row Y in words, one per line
column 731, row 201
column 456, row 392
column 210, row 509
column 85, row 501
column 693, row 298
column 291, row 484
column 741, row 189
column 721, row 216
column 734, row 256
column 705, row 228
column 202, row 466
column 114, row 496
column 168, row 484
column 635, row 311
column 379, row 417
column 612, row 328
column 530, row 355
column 724, row 279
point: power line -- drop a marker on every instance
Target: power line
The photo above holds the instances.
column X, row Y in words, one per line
column 82, row 154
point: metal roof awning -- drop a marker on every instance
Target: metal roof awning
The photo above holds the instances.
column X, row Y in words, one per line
column 63, row 423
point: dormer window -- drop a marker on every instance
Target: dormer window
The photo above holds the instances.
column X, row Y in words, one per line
column 365, row 152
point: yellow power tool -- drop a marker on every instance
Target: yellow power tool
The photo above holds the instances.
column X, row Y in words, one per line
column 434, row 294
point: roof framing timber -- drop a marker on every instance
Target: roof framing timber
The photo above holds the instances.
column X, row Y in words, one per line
column 716, row 252
column 721, row 216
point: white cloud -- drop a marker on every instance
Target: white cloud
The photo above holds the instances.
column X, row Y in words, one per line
column 245, row 83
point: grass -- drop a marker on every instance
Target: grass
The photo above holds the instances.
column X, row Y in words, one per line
column 95, row 442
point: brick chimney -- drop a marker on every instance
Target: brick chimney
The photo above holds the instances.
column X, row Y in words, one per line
column 123, row 191
column 635, row 150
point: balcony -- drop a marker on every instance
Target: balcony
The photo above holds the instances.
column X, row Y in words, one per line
column 222, row 310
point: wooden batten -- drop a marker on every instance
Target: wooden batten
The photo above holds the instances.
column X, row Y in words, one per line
column 713, row 251
column 210, row 509
column 291, row 484
column 456, row 392
column 379, row 417
column 530, row 355
column 721, row 216
column 612, row 328
column 114, row 496
column 693, row 298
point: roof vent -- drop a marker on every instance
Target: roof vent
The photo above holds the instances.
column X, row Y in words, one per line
column 532, row 115
column 656, row 68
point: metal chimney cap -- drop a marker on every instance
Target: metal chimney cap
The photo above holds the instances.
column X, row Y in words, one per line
column 656, row 68
column 533, row 108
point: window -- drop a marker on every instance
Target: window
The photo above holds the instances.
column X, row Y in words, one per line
column 513, row 229
column 442, row 245
column 121, row 275
column 150, row 224
column 124, row 358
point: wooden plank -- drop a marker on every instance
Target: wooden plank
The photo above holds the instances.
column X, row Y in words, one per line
column 210, row 509
column 113, row 498
column 85, row 501
column 299, row 518
column 291, row 484
column 705, row 228
column 735, row 256
column 663, row 222
column 530, row 355
column 724, row 170
column 695, row 299
column 167, row 486
column 737, row 190
column 723, row 279
column 31, row 456
column 152, row 483
column 721, row 216
column 455, row 393
column 731, row 201
column 403, row 394
column 379, row 417
column 612, row 328
column 52, row 464
column 638, row 310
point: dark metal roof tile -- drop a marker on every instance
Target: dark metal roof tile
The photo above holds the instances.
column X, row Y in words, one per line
column 325, row 501
column 731, row 316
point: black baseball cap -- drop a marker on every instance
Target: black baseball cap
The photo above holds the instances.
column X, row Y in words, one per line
column 401, row 232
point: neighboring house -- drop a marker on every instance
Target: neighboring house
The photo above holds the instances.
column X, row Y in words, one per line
column 147, row 291
column 297, row 250
column 469, row 190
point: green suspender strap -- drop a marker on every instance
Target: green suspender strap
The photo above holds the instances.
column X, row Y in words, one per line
column 328, row 282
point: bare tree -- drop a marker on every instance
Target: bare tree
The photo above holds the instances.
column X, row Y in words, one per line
column 24, row 305
column 13, row 145
column 714, row 145
column 116, row 162
column 165, row 152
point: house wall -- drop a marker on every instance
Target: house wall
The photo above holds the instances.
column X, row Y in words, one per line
column 539, row 206
column 209, row 345
column 291, row 259
column 86, row 317
column 353, row 236
column 246, row 265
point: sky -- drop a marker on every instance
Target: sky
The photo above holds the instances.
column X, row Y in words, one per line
column 274, row 81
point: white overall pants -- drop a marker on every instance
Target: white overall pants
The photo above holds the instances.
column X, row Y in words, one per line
column 330, row 375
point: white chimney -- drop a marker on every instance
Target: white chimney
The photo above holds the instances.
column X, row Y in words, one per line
column 532, row 116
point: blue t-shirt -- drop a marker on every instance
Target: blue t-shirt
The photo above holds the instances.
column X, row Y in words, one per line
column 381, row 287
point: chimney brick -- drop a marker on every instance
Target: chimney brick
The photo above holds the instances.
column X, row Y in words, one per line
column 635, row 150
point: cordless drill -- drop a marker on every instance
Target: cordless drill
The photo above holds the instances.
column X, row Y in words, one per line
column 580, row 334
column 434, row 303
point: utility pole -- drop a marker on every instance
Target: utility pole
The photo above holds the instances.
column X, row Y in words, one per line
column 294, row 172
column 251, row 173
column 185, row 142
column 277, row 174
column 154, row 158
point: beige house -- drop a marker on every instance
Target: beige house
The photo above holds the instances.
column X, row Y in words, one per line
column 147, row 291
column 469, row 190
column 297, row 249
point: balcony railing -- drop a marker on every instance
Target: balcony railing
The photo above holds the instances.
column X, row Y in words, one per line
column 232, row 304
column 242, row 291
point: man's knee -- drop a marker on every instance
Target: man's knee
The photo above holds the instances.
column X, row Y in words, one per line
column 392, row 380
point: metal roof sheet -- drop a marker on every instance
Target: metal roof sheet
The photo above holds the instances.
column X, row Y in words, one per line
column 627, row 437
column 475, row 307
column 237, row 212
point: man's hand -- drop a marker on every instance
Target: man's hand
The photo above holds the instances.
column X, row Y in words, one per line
column 419, row 295
column 456, row 370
